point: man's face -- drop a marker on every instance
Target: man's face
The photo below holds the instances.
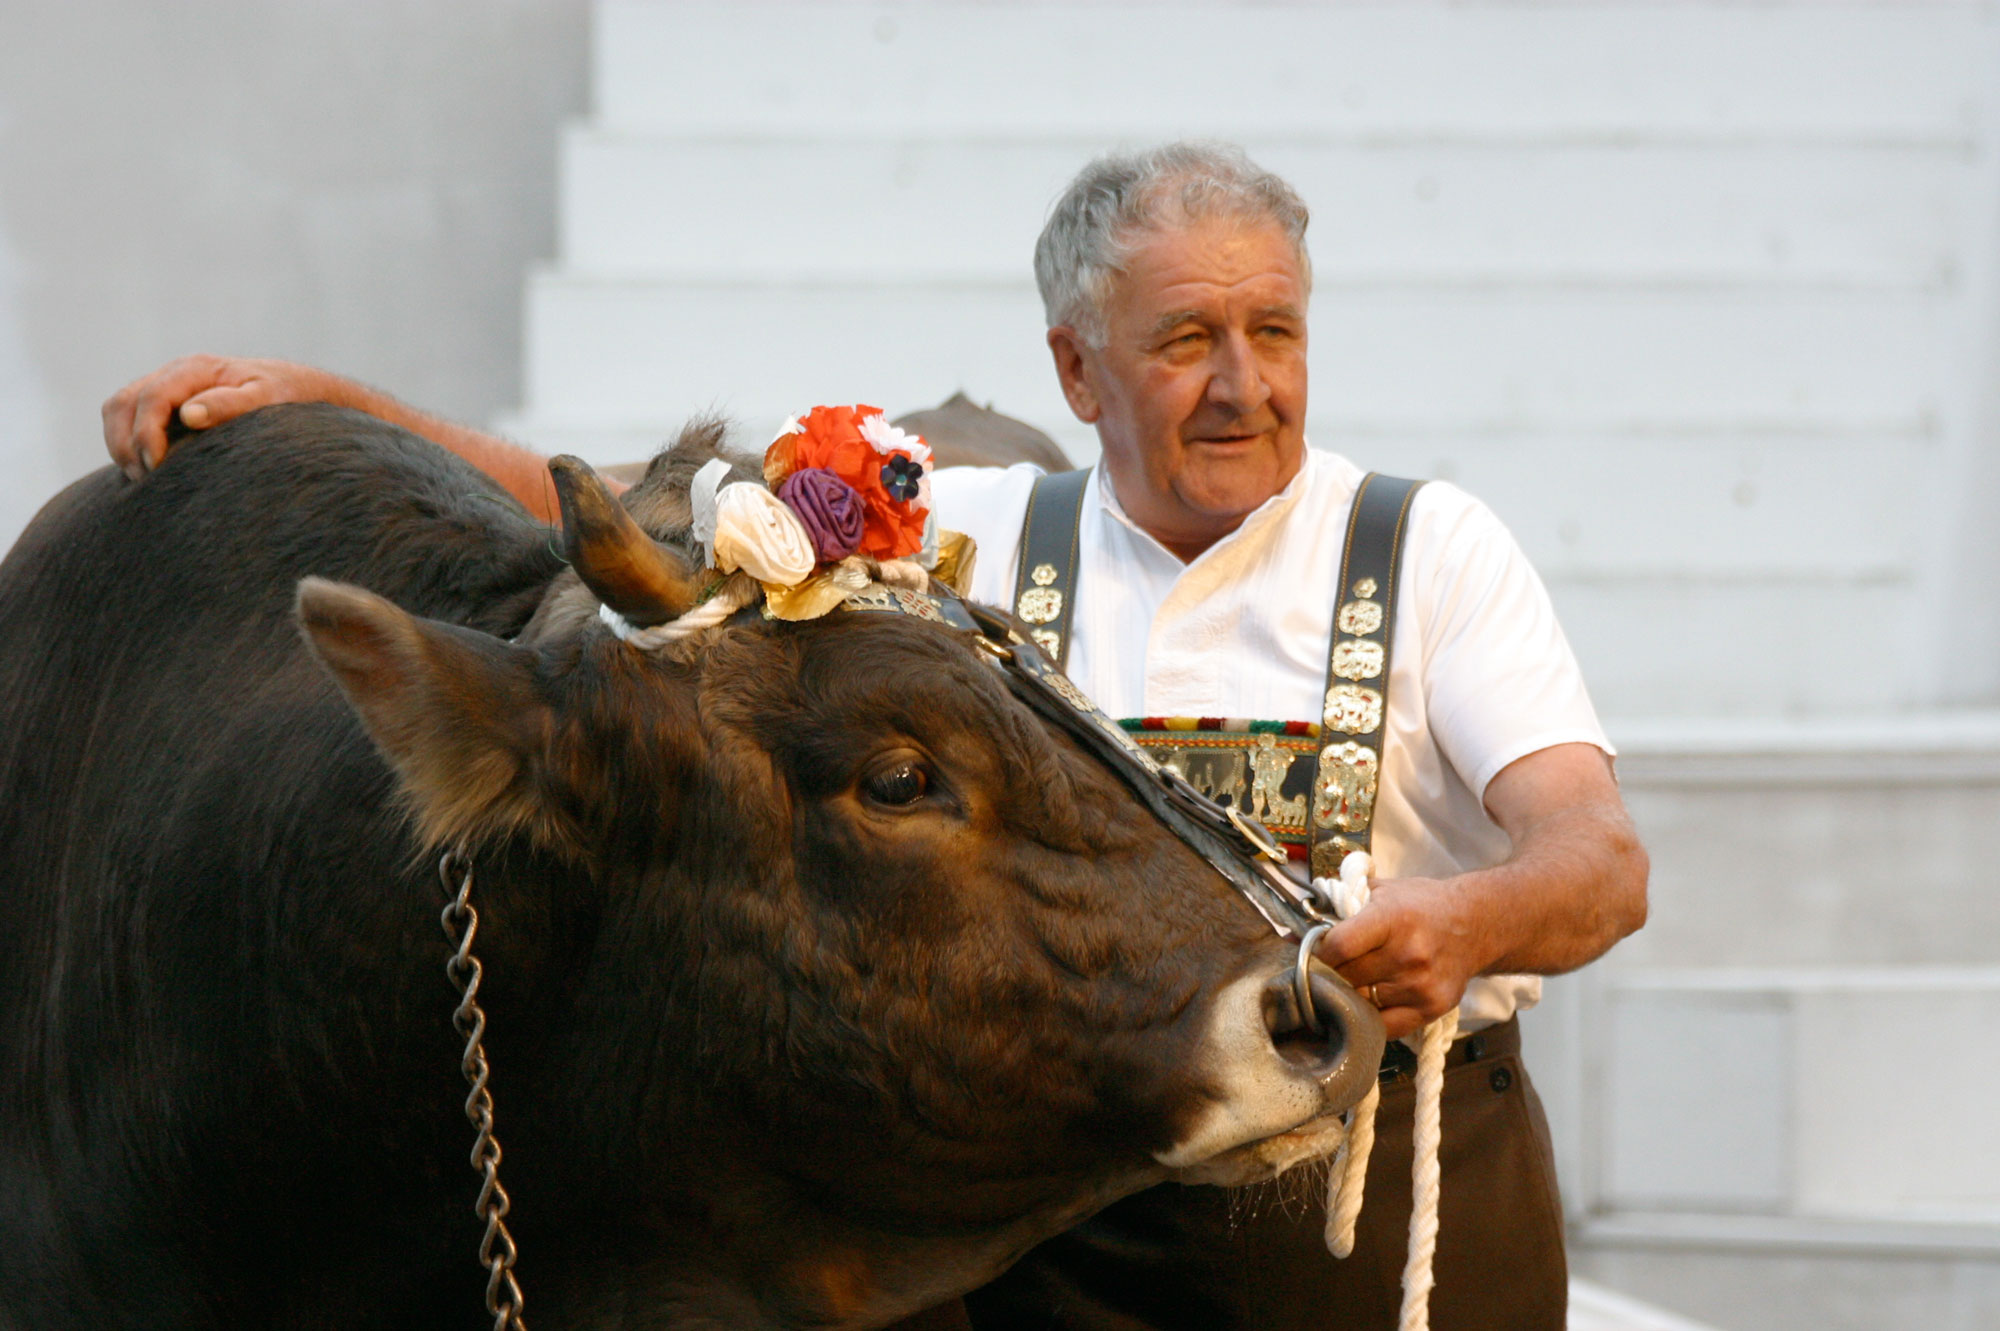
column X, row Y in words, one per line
column 1199, row 393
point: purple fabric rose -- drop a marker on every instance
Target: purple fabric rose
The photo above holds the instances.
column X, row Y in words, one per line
column 831, row 510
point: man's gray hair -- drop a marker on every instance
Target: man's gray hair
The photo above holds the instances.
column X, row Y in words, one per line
column 1117, row 199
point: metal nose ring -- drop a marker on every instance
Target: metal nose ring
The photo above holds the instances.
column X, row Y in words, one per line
column 1302, row 980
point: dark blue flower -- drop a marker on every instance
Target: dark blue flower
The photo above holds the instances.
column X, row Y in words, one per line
column 900, row 476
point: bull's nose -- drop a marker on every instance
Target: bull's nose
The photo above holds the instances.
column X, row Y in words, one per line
column 1339, row 1044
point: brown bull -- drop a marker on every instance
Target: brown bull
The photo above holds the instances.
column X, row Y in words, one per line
column 824, row 978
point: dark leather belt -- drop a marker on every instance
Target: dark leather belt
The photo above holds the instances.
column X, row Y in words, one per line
column 1399, row 1060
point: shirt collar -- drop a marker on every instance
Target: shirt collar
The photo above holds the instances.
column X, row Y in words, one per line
column 1256, row 521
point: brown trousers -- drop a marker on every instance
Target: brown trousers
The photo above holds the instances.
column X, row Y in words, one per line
column 1205, row 1259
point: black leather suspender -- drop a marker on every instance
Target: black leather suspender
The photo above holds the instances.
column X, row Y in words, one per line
column 1045, row 583
column 1355, row 712
column 1353, row 722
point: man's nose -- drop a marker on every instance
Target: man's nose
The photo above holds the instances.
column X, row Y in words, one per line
column 1236, row 379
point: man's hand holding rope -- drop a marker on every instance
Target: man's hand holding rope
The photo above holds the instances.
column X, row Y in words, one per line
column 1574, row 884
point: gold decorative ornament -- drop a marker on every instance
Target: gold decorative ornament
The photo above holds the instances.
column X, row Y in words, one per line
column 809, row 600
column 1040, row 605
column 1327, row 855
column 1216, row 773
column 1344, row 794
column 1353, row 709
column 1071, row 694
column 1048, row 640
column 1269, row 765
column 1365, row 588
column 1360, row 617
column 1357, row 658
column 919, row 605
column 956, row 554
column 1043, row 575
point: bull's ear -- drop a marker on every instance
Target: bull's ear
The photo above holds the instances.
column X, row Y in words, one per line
column 455, row 712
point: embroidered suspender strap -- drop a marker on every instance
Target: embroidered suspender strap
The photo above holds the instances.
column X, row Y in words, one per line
column 1357, row 672
column 1045, row 586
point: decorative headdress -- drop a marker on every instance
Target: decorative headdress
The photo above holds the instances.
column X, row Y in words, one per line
column 846, row 504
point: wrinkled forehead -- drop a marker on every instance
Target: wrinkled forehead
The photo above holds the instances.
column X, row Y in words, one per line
column 1210, row 262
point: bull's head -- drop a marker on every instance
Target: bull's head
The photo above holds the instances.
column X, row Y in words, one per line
column 879, row 979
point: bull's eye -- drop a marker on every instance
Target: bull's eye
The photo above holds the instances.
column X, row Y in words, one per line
column 904, row 783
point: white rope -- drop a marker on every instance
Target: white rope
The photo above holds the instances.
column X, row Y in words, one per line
column 1349, row 895
column 732, row 596
column 1424, row 1173
column 1350, row 1169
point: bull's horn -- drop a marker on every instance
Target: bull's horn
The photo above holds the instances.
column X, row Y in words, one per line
column 631, row 572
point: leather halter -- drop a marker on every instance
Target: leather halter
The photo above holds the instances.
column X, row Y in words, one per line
column 1238, row 847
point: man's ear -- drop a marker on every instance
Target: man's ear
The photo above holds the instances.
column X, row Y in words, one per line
column 455, row 712
column 1072, row 367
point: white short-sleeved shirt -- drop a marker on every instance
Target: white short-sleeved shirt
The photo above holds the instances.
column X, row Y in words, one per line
column 1480, row 672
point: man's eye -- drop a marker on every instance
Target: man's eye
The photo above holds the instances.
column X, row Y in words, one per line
column 905, row 783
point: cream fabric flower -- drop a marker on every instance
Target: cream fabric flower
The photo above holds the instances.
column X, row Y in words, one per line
column 755, row 532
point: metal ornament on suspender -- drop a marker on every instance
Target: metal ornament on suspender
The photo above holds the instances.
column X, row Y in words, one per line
column 1348, row 767
column 1045, row 585
column 1355, row 711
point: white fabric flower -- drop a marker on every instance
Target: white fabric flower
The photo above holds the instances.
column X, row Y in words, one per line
column 886, row 438
column 756, row 532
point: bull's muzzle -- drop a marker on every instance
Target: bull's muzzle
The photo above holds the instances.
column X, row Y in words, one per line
column 1337, row 1040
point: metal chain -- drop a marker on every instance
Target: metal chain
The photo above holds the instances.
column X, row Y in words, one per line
column 496, row 1249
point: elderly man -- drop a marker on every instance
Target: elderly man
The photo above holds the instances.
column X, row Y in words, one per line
column 1208, row 554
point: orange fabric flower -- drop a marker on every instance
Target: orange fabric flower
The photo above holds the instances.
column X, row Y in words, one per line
column 831, row 437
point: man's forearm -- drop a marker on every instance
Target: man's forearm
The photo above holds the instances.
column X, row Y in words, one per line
column 520, row 471
column 1575, row 885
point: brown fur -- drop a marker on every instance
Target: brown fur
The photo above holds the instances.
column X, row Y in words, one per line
column 767, row 1052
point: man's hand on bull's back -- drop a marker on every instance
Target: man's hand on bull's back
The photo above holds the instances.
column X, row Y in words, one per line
column 1574, row 884
column 205, row 391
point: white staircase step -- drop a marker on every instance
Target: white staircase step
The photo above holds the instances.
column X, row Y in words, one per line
column 1731, row 646
column 623, row 352
column 1853, row 840
column 1609, row 506
column 1840, row 1093
column 953, row 208
column 1436, row 359
column 1769, row 1273
column 1592, row 1307
column 1439, row 72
